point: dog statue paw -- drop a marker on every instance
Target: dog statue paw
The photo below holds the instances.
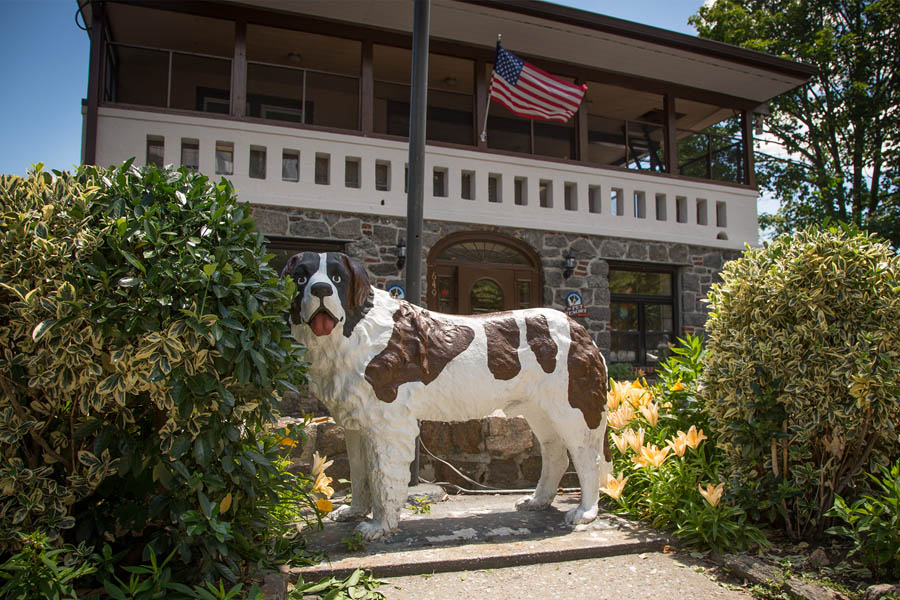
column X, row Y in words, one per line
column 373, row 529
column 347, row 513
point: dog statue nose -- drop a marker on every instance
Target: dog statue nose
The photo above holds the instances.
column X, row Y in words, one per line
column 320, row 290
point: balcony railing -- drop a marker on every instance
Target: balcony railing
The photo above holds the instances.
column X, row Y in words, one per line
column 320, row 170
column 300, row 96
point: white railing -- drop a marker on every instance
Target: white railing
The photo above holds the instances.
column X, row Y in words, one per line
column 548, row 195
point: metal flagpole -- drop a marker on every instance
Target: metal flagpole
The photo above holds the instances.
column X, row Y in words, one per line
column 487, row 108
column 418, row 106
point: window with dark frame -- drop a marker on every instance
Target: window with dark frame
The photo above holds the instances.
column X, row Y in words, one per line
column 642, row 314
column 224, row 158
column 155, row 150
column 190, row 154
column 284, row 247
column 257, row 162
column 290, row 165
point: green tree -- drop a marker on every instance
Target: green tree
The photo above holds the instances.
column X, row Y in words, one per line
column 842, row 129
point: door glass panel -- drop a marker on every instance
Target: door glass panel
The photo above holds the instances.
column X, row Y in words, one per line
column 486, row 296
column 624, row 331
column 659, row 331
column 484, row 251
column 446, row 294
column 524, row 294
column 640, row 282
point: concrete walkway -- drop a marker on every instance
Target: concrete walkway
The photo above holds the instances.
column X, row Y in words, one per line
column 479, row 543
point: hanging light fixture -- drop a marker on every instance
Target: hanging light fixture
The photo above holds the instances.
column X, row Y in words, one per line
column 401, row 255
column 569, row 267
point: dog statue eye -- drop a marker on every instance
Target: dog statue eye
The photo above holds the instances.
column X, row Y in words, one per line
column 336, row 278
column 301, row 280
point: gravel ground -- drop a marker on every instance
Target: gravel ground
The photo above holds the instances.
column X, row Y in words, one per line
column 630, row 577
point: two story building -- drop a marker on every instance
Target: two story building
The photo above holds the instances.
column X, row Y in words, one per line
column 629, row 209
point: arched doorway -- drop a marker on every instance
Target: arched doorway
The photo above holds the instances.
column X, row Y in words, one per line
column 478, row 271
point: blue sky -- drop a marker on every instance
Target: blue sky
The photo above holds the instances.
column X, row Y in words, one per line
column 44, row 72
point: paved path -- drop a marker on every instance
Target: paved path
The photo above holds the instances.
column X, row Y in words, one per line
column 481, row 545
column 650, row 576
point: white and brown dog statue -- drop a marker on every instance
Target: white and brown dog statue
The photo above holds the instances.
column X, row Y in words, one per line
column 380, row 364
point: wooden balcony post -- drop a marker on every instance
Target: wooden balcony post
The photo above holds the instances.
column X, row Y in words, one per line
column 670, row 134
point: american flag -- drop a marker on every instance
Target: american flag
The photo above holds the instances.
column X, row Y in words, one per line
column 531, row 92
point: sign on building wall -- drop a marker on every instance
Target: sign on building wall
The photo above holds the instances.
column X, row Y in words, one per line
column 575, row 305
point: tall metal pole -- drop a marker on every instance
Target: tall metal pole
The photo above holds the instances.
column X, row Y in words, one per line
column 418, row 107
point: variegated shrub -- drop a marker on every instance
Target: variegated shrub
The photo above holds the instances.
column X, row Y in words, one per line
column 143, row 348
column 802, row 376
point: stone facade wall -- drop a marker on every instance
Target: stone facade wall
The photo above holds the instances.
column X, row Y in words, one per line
column 375, row 244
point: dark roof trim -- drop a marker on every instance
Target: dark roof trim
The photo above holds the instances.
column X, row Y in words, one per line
column 654, row 35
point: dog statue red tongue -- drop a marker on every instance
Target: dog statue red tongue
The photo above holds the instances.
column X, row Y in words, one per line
column 321, row 324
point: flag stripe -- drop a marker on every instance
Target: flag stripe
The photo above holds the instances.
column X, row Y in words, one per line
column 567, row 95
column 529, row 112
column 524, row 97
column 538, row 93
column 512, row 101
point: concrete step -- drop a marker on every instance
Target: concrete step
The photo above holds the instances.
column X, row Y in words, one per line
column 470, row 532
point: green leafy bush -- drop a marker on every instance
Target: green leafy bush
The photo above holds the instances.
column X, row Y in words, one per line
column 803, row 370
column 143, row 350
column 873, row 523
column 667, row 474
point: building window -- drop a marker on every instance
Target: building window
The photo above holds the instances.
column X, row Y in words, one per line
column 681, row 209
column 595, row 199
column 640, row 205
column 382, row 176
column 224, row 158
column 190, row 154
column 642, row 314
column 323, row 168
column 467, row 185
column 290, row 165
column 155, row 150
column 303, row 77
column 351, row 172
column 616, row 202
column 545, row 192
column 495, row 188
column 520, row 185
column 660, row 207
column 257, row 162
column 701, row 211
column 451, row 90
column 721, row 215
column 439, row 181
column 570, row 190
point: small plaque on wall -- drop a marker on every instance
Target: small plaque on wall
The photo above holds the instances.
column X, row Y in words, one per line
column 575, row 305
column 397, row 291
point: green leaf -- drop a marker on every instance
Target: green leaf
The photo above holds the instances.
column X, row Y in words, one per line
column 128, row 282
column 204, row 504
column 134, row 262
column 42, row 328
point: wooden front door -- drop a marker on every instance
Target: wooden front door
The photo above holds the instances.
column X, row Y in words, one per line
column 483, row 290
column 479, row 272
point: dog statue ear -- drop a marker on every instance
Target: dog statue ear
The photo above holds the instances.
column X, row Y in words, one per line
column 291, row 265
column 359, row 282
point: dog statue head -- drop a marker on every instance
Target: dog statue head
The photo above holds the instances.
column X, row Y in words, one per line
column 331, row 290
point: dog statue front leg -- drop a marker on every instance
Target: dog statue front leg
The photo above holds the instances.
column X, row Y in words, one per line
column 361, row 498
column 389, row 453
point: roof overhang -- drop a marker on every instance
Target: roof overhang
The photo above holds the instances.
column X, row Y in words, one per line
column 545, row 31
column 555, row 36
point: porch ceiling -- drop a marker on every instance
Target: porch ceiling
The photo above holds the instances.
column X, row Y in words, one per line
column 542, row 29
